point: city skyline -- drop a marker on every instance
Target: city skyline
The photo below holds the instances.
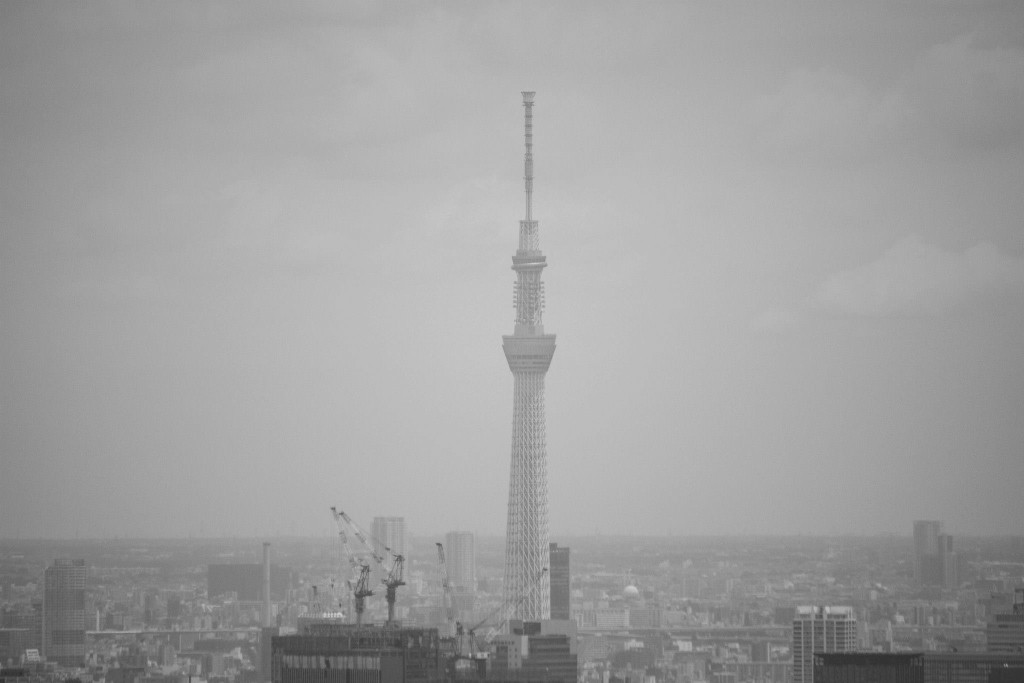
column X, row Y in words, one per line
column 253, row 263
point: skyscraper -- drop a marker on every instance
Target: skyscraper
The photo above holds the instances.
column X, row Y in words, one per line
column 935, row 562
column 461, row 559
column 926, row 546
column 389, row 532
column 388, row 537
column 528, row 351
column 561, row 591
column 820, row 629
column 64, row 612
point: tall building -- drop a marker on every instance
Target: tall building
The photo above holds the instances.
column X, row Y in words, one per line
column 461, row 559
column 389, row 534
column 935, row 561
column 64, row 612
column 388, row 537
column 528, row 351
column 817, row 630
column 561, row 591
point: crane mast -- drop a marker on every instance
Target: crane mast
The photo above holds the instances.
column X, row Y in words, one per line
column 447, row 603
column 360, row 571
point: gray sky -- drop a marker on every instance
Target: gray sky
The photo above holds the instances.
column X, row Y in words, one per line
column 255, row 262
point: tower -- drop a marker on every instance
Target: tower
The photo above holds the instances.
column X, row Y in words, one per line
column 64, row 612
column 528, row 351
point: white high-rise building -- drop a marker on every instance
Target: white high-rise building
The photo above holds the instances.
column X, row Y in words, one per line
column 528, row 351
column 389, row 540
column 460, row 551
column 820, row 629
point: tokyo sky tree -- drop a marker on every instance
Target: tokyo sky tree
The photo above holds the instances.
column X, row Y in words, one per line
column 528, row 351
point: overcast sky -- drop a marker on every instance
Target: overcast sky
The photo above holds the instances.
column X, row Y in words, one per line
column 255, row 262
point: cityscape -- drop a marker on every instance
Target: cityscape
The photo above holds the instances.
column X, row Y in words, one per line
column 628, row 609
column 252, row 424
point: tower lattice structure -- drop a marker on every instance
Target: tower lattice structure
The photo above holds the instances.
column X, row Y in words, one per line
column 528, row 351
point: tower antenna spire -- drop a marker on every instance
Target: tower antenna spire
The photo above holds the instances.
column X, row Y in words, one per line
column 528, row 351
column 528, row 160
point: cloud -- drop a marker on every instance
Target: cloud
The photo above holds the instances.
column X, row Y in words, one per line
column 968, row 93
column 775, row 320
column 964, row 92
column 823, row 112
column 913, row 277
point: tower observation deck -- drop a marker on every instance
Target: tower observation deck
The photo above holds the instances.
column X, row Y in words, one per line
column 528, row 351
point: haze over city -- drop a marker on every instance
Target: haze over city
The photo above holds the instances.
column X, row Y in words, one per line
column 254, row 262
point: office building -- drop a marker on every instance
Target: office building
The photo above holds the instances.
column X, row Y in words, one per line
column 460, row 553
column 820, row 629
column 935, row 561
column 561, row 590
column 64, row 612
column 389, row 536
column 528, row 351
column 1005, row 632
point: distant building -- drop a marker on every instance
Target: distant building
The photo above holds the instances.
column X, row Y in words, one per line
column 25, row 617
column 561, row 590
column 246, row 581
column 819, row 630
column 460, row 555
column 64, row 612
column 13, row 643
column 918, row 667
column 388, row 537
column 1005, row 632
column 935, row 561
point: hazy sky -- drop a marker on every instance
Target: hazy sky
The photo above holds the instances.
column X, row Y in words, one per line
column 255, row 262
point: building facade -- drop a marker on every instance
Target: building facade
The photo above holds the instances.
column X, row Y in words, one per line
column 528, row 351
column 820, row 629
column 64, row 612
column 561, row 589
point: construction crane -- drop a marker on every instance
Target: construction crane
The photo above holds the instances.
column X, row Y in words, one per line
column 505, row 610
column 361, row 592
column 447, row 603
column 394, row 577
column 359, row 584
